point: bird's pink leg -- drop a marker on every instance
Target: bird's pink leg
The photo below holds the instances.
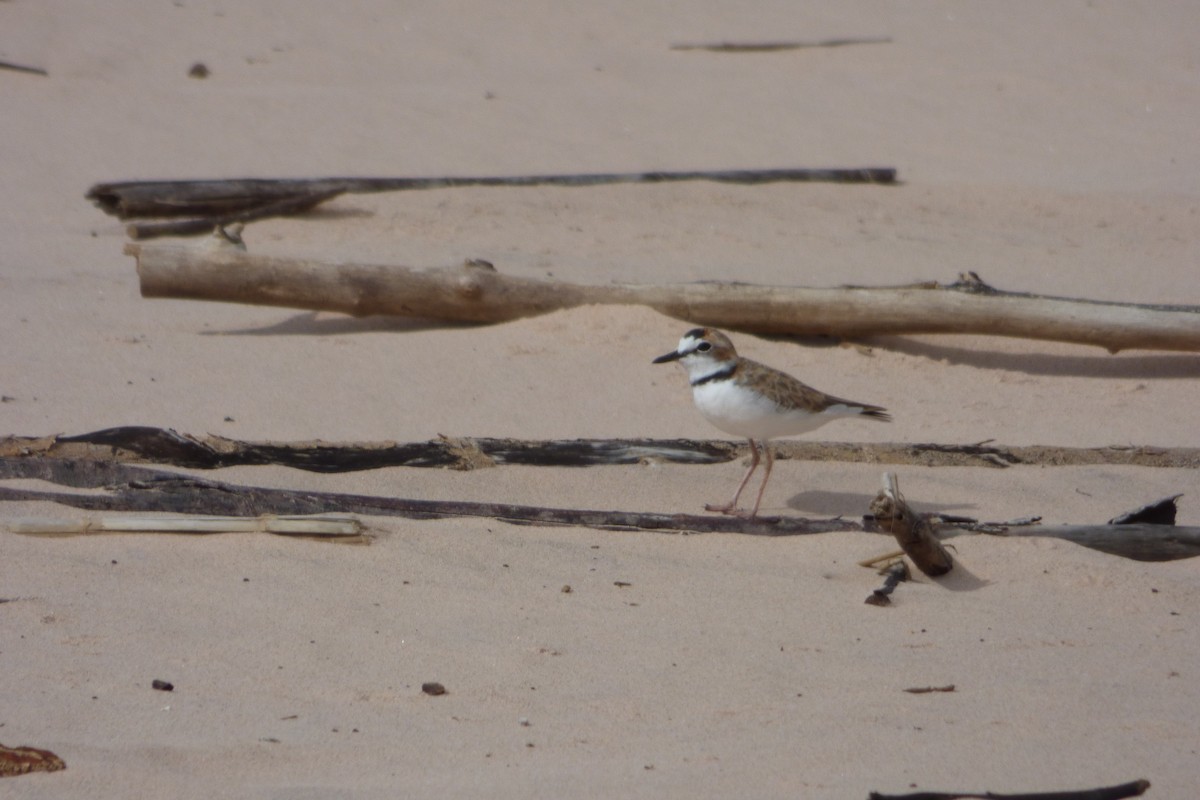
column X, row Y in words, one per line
column 766, row 445
column 731, row 506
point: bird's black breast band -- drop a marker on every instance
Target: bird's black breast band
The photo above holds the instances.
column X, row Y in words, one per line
column 719, row 375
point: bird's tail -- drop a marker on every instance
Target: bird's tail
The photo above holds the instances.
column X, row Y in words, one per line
column 876, row 412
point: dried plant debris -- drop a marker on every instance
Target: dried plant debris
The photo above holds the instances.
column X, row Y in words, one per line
column 25, row 759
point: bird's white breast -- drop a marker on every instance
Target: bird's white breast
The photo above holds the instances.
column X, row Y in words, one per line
column 736, row 409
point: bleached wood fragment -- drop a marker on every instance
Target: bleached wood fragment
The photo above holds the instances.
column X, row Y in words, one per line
column 477, row 292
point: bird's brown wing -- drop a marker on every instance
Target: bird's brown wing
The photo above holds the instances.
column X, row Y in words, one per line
column 789, row 393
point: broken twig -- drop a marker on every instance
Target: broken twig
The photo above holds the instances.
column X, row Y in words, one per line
column 914, row 533
column 23, row 760
column 894, row 575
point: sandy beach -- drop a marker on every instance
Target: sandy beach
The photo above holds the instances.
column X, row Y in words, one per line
column 1050, row 148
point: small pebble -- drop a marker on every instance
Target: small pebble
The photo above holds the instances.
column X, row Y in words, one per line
column 198, row 70
column 162, row 686
column 433, row 688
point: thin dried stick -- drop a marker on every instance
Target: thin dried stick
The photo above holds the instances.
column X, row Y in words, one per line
column 776, row 46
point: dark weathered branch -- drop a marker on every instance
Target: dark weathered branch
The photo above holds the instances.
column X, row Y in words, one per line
column 142, row 489
column 1140, row 541
column 138, row 489
column 142, row 444
column 1160, row 512
column 1119, row 792
column 476, row 292
column 294, row 204
column 132, row 199
column 1144, row 534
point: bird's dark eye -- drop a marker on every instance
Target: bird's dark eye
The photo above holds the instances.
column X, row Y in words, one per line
column 703, row 347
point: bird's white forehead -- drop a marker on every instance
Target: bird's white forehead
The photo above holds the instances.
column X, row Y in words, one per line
column 689, row 340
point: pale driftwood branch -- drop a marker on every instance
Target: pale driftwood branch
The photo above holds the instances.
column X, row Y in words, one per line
column 476, row 292
column 914, row 533
column 132, row 199
column 142, row 444
column 328, row 526
column 1120, row 792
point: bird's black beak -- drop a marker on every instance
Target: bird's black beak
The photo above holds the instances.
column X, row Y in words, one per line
column 665, row 357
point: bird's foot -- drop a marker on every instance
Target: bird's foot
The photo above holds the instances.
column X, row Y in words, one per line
column 730, row 509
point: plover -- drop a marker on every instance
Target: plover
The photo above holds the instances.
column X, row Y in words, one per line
column 749, row 399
